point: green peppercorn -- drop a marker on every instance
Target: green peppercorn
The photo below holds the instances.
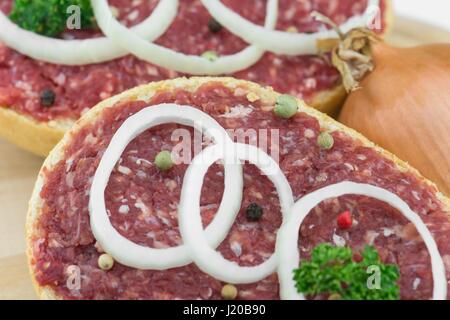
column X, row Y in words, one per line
column 214, row 26
column 254, row 212
column 47, row 98
column 286, row 106
column 325, row 141
column 105, row 261
column 210, row 55
column 229, row 292
column 163, row 160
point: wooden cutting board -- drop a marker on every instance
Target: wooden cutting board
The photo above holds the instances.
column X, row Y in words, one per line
column 15, row 281
column 18, row 170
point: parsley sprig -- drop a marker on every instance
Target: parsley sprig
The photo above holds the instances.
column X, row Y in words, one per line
column 332, row 271
column 49, row 17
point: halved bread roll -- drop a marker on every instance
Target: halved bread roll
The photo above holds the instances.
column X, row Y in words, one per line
column 142, row 201
column 36, row 129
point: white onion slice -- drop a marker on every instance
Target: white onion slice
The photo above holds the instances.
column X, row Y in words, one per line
column 287, row 237
column 142, row 257
column 81, row 52
column 171, row 59
column 206, row 258
column 279, row 42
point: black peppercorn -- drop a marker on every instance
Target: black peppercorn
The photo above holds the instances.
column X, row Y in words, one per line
column 254, row 212
column 214, row 26
column 47, row 98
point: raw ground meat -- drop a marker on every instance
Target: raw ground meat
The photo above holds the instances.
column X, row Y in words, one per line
column 142, row 203
column 22, row 79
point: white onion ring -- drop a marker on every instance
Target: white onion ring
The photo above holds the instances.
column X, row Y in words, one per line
column 81, row 52
column 142, row 257
column 190, row 223
column 178, row 61
column 279, row 42
column 287, row 238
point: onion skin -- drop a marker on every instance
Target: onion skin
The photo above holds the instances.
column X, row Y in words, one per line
column 403, row 105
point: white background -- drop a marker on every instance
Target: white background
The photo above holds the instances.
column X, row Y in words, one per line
column 434, row 12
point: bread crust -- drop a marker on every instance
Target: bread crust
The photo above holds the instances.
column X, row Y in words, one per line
column 266, row 94
column 329, row 101
column 40, row 137
column 30, row 134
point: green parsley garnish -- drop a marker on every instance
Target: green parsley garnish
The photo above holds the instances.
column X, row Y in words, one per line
column 49, row 17
column 332, row 271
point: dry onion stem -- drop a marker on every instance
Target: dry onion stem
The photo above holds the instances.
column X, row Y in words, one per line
column 403, row 98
